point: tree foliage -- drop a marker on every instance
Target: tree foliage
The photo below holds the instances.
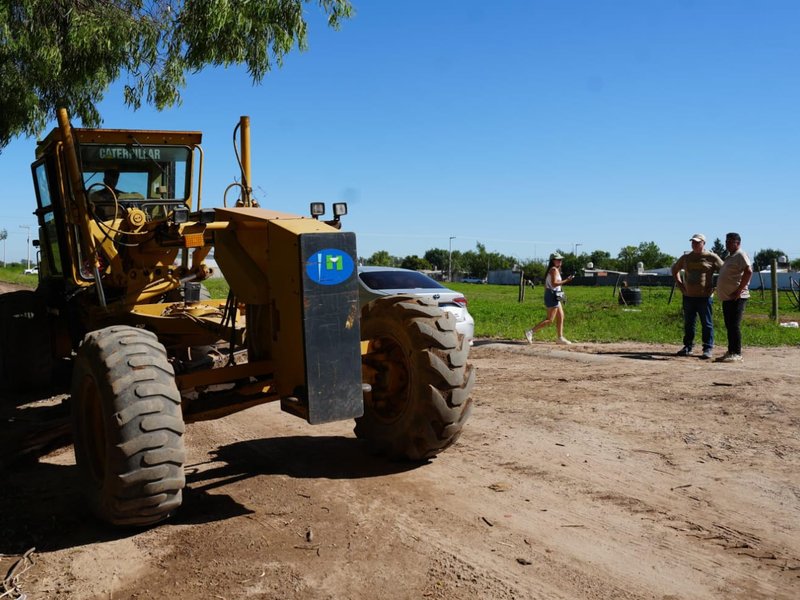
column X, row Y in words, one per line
column 477, row 263
column 382, row 258
column 763, row 258
column 719, row 248
column 415, row 263
column 472, row 263
column 65, row 53
column 627, row 258
column 437, row 258
column 601, row 259
column 534, row 269
column 649, row 254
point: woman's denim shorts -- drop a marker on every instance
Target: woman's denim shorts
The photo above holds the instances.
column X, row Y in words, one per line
column 550, row 300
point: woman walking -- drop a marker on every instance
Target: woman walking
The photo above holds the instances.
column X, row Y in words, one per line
column 552, row 300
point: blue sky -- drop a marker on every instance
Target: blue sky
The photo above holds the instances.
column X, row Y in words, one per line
column 526, row 125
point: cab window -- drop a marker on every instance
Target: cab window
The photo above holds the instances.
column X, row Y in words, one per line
column 47, row 222
column 155, row 173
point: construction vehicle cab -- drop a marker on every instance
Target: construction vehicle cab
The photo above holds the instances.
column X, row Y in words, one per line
column 127, row 183
column 123, row 239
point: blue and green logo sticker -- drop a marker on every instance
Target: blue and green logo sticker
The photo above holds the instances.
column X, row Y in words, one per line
column 329, row 266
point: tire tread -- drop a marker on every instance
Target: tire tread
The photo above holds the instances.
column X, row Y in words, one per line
column 441, row 378
column 143, row 470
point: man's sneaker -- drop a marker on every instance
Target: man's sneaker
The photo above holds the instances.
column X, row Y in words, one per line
column 563, row 340
column 706, row 354
column 729, row 358
column 685, row 351
column 529, row 335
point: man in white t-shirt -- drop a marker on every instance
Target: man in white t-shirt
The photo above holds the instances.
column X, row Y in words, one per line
column 734, row 277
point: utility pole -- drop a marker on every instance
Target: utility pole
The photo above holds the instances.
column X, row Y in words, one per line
column 28, row 227
column 774, row 289
column 576, row 248
column 4, row 237
column 450, row 259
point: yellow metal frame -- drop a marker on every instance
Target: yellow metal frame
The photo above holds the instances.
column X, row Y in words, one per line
column 254, row 247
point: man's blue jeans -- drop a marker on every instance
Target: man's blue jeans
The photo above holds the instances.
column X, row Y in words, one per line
column 692, row 309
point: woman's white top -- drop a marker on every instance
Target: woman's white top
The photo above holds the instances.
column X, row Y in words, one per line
column 548, row 282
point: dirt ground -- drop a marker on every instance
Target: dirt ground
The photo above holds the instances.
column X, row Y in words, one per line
column 592, row 471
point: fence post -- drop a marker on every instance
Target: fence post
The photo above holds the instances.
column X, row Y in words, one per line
column 774, row 286
column 521, row 297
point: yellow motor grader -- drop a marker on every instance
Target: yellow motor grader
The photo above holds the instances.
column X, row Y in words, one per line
column 123, row 243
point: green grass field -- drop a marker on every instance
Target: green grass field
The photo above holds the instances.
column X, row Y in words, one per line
column 14, row 275
column 593, row 314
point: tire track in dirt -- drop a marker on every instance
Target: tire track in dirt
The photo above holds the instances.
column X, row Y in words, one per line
column 588, row 473
column 641, row 499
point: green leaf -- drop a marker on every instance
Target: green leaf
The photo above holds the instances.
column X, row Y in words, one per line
column 67, row 53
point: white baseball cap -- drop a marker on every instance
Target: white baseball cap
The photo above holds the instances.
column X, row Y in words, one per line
column 698, row 237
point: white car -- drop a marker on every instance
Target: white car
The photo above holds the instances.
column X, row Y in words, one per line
column 31, row 271
column 389, row 281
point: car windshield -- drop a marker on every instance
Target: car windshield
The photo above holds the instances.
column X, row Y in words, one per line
column 398, row 280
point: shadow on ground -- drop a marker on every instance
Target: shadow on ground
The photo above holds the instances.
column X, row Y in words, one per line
column 300, row 457
column 43, row 504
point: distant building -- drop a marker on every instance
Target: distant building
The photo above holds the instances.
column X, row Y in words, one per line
column 503, row 277
column 762, row 280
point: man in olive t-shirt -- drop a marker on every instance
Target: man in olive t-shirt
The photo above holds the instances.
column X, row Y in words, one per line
column 697, row 285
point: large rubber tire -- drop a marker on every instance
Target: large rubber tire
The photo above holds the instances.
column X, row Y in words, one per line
column 128, row 427
column 421, row 382
column 26, row 354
